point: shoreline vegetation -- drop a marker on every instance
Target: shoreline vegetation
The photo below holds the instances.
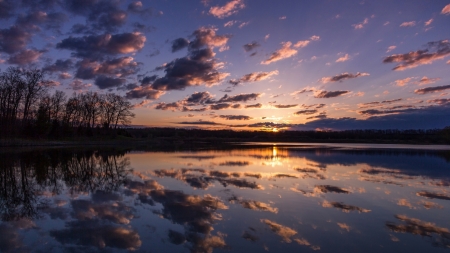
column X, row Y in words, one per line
column 186, row 138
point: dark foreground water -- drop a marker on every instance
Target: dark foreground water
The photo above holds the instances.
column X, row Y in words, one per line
column 247, row 199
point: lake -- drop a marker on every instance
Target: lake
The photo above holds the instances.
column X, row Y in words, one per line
column 245, row 198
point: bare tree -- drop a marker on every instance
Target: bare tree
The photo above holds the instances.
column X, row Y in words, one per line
column 35, row 87
column 124, row 113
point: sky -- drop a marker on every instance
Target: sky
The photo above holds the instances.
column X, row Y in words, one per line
column 244, row 64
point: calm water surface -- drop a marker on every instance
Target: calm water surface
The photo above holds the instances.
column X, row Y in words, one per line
column 276, row 198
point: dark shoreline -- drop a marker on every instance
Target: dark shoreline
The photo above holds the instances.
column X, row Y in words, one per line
column 188, row 142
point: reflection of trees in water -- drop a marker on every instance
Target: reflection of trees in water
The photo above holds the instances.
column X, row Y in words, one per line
column 26, row 177
column 18, row 190
column 96, row 172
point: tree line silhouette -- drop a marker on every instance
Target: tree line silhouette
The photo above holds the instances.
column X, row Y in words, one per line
column 174, row 135
column 28, row 109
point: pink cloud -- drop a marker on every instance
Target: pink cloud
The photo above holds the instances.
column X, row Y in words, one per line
column 228, row 9
column 344, row 58
column 284, row 52
column 361, row 25
column 408, row 24
column 446, row 10
column 403, row 82
column 390, row 48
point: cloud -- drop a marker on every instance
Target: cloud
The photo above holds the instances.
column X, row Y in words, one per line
column 104, row 82
column 59, row 66
column 100, row 15
column 95, row 46
column 199, row 67
column 446, row 10
column 179, row 44
column 230, row 23
column 239, row 98
column 6, row 9
column 235, row 117
column 78, row 85
column 13, row 39
column 220, row 106
column 205, row 98
column 25, row 57
column 199, row 98
column 330, row 94
column 305, row 112
column 425, row 80
column 144, row 92
column 439, row 101
column 65, row 75
column 148, row 80
column 416, row 58
column 390, row 48
column 301, row 43
column 254, row 77
column 228, row 9
column 118, row 67
column 138, row 8
column 315, row 38
column 283, row 53
column 304, row 90
column 201, row 122
column 168, row 106
column 33, row 19
column 344, row 58
column 258, row 105
column 403, row 82
column 378, row 103
column 361, row 25
column 373, row 112
column 207, row 37
column 427, row 23
column 250, row 46
column 284, row 106
column 244, row 24
column 408, row 24
column 431, row 89
column 343, row 76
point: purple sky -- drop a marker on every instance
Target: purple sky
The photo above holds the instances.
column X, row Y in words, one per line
column 244, row 64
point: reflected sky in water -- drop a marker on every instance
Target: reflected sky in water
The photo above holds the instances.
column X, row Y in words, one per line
column 245, row 199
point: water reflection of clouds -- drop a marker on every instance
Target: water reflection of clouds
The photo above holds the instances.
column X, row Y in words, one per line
column 433, row 195
column 253, row 204
column 199, row 178
column 102, row 211
column 440, row 236
column 287, row 234
column 344, row 207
